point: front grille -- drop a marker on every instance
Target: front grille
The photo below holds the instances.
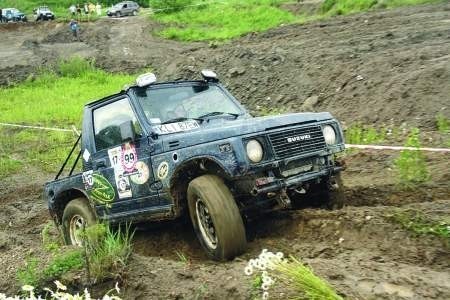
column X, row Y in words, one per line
column 297, row 141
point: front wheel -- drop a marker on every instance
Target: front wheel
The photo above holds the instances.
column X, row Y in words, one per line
column 118, row 14
column 77, row 216
column 216, row 218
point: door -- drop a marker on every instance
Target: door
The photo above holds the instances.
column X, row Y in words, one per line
column 122, row 169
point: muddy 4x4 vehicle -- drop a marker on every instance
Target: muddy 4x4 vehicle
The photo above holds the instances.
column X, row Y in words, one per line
column 158, row 151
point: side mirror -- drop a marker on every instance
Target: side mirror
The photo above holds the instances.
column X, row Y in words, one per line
column 127, row 132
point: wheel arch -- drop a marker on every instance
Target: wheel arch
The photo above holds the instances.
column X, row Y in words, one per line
column 63, row 198
column 189, row 170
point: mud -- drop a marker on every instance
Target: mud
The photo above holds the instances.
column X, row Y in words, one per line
column 379, row 67
column 383, row 67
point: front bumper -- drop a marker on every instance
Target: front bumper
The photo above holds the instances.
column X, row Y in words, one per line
column 274, row 184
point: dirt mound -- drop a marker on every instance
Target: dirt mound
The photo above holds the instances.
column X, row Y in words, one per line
column 377, row 68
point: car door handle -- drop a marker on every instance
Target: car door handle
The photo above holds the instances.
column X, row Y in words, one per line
column 101, row 163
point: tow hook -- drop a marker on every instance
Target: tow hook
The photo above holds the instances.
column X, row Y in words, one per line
column 283, row 199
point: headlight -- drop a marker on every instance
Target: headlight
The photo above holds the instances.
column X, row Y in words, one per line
column 254, row 151
column 329, row 134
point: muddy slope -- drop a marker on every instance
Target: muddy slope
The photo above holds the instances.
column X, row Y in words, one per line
column 381, row 67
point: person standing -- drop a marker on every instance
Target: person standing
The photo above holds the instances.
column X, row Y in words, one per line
column 1, row 16
column 73, row 10
column 98, row 8
column 75, row 29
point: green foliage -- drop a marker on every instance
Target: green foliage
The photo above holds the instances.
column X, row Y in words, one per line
column 57, row 98
column 304, row 283
column 108, row 250
column 358, row 134
column 256, row 286
column 50, row 242
column 443, row 124
column 222, row 20
column 344, row 7
column 30, row 273
column 182, row 257
column 419, row 224
column 63, row 263
column 411, row 165
column 8, row 165
column 271, row 111
column 170, row 5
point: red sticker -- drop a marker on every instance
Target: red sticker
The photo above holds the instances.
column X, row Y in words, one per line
column 129, row 157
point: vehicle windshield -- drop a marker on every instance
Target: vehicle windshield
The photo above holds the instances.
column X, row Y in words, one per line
column 165, row 104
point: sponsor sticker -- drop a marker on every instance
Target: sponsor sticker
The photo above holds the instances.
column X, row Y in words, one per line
column 177, row 127
column 129, row 157
column 142, row 174
column 102, row 191
column 123, row 186
column 163, row 170
column 115, row 154
column 88, row 180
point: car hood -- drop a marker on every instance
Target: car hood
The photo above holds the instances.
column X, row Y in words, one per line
column 224, row 127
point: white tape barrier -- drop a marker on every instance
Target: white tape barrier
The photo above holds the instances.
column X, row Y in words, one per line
column 36, row 127
column 397, row 148
column 374, row 147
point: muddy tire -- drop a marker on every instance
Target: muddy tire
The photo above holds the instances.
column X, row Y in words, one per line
column 77, row 214
column 327, row 194
column 118, row 14
column 134, row 13
column 216, row 218
column 330, row 193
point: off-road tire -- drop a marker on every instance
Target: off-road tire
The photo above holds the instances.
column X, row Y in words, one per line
column 134, row 13
column 329, row 194
column 211, row 192
column 118, row 14
column 76, row 207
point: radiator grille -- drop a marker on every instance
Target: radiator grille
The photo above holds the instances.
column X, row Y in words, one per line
column 297, row 141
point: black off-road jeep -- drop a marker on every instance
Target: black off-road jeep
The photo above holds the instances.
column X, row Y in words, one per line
column 157, row 151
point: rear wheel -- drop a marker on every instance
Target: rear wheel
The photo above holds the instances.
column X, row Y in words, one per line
column 216, row 218
column 77, row 215
column 135, row 13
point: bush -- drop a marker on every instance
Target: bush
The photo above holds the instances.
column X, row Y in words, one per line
column 410, row 165
column 170, row 5
column 75, row 67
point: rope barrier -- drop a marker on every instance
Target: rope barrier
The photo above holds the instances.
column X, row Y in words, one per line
column 371, row 147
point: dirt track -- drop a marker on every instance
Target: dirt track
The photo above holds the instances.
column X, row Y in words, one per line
column 381, row 67
column 402, row 56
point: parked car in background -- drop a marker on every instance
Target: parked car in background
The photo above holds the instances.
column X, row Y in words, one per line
column 13, row 15
column 126, row 8
column 43, row 13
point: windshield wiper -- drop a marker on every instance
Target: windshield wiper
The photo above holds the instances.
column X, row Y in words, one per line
column 174, row 120
column 218, row 113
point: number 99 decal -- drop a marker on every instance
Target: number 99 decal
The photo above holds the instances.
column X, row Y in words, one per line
column 129, row 157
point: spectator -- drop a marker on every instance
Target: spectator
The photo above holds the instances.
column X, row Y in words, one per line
column 1, row 16
column 98, row 8
column 75, row 29
column 91, row 8
column 79, row 10
column 73, row 10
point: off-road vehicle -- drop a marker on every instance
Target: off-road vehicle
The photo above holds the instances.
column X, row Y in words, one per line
column 126, row 8
column 43, row 13
column 159, row 151
column 13, row 15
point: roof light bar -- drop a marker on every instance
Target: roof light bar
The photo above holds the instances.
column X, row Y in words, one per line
column 209, row 75
column 145, row 79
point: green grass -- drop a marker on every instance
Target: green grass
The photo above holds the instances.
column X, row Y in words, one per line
column 53, row 99
column 222, row 21
column 419, row 224
column 359, row 134
column 443, row 124
column 301, row 280
column 57, row 98
column 345, row 7
column 411, row 165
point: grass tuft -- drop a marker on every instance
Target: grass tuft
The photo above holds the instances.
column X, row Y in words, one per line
column 419, row 224
column 411, row 165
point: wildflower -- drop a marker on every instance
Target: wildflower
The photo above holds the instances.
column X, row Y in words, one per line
column 248, row 270
column 60, row 286
column 265, row 295
column 27, row 288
